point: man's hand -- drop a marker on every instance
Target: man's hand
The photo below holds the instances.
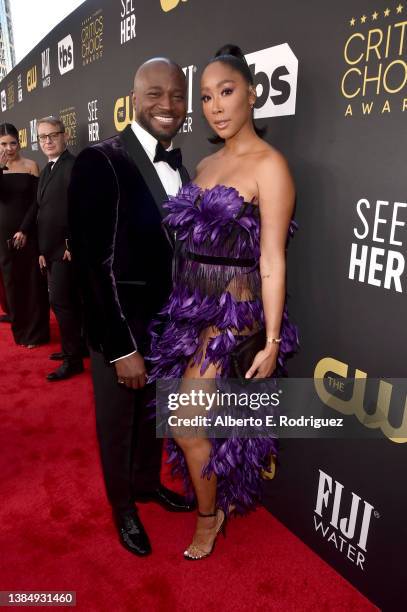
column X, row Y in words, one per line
column 131, row 371
column 19, row 240
column 67, row 256
column 42, row 262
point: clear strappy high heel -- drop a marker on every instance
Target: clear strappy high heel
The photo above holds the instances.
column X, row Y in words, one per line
column 194, row 552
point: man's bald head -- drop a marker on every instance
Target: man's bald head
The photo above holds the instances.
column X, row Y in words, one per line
column 157, row 63
column 159, row 98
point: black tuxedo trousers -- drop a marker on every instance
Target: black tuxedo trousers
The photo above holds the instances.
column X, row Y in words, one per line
column 130, row 453
column 65, row 301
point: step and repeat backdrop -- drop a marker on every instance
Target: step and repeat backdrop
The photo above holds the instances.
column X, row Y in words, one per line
column 332, row 91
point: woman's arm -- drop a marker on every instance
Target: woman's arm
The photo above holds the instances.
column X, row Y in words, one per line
column 34, row 169
column 30, row 218
column 276, row 197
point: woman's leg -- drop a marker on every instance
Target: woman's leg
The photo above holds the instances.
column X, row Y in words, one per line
column 197, row 448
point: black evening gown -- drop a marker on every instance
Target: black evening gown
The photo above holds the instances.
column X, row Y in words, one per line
column 25, row 286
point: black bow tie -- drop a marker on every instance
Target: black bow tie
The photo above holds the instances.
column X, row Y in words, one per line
column 173, row 158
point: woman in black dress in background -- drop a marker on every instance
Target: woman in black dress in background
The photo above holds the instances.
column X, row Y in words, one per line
column 26, row 289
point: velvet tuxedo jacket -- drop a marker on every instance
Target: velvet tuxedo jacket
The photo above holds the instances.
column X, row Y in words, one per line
column 52, row 199
column 120, row 248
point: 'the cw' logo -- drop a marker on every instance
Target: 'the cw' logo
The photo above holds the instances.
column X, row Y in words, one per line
column 168, row 5
column 355, row 405
column 123, row 113
column 32, row 78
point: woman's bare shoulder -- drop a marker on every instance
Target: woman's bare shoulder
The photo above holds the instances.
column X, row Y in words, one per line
column 31, row 166
column 272, row 163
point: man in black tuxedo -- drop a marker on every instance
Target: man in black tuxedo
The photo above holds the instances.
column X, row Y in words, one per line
column 53, row 242
column 124, row 256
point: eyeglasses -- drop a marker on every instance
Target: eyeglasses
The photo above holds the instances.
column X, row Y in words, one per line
column 53, row 136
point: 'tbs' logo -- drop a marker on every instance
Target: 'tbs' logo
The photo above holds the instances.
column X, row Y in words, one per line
column 65, row 54
column 275, row 72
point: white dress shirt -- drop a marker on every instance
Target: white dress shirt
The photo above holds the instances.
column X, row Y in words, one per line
column 170, row 178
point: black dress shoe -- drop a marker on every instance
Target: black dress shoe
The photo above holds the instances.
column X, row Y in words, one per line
column 167, row 499
column 66, row 370
column 132, row 534
column 57, row 356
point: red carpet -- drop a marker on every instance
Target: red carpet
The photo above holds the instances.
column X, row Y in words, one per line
column 56, row 531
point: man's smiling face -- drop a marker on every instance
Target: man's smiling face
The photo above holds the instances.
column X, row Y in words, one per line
column 159, row 99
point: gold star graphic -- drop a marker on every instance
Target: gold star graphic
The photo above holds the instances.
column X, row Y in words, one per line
column 399, row 8
column 363, row 19
column 375, row 16
column 387, row 12
column 352, row 21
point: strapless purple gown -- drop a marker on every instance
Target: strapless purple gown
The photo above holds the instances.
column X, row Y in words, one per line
column 217, row 285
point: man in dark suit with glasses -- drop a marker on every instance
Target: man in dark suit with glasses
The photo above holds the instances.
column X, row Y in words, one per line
column 54, row 247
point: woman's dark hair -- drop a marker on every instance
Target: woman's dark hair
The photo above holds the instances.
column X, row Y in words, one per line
column 233, row 56
column 8, row 129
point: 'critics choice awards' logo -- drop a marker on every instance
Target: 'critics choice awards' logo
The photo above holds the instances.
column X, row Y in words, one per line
column 92, row 38
column 275, row 72
column 374, row 78
column 45, row 68
column 65, row 55
column 70, row 121
column 10, row 95
column 343, row 519
column 128, row 21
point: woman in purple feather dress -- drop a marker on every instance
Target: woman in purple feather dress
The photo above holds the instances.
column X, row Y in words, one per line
column 231, row 225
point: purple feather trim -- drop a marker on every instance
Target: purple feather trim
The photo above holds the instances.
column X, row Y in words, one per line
column 216, row 222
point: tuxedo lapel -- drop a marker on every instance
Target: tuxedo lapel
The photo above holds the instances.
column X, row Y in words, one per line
column 184, row 175
column 146, row 168
column 47, row 179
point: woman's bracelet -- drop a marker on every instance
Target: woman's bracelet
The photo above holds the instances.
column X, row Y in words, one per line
column 273, row 340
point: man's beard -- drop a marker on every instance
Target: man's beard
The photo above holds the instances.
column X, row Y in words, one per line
column 158, row 135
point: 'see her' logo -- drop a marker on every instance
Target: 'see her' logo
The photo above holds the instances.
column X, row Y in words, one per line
column 168, row 5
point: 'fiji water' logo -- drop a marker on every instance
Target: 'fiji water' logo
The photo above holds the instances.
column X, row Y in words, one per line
column 343, row 519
